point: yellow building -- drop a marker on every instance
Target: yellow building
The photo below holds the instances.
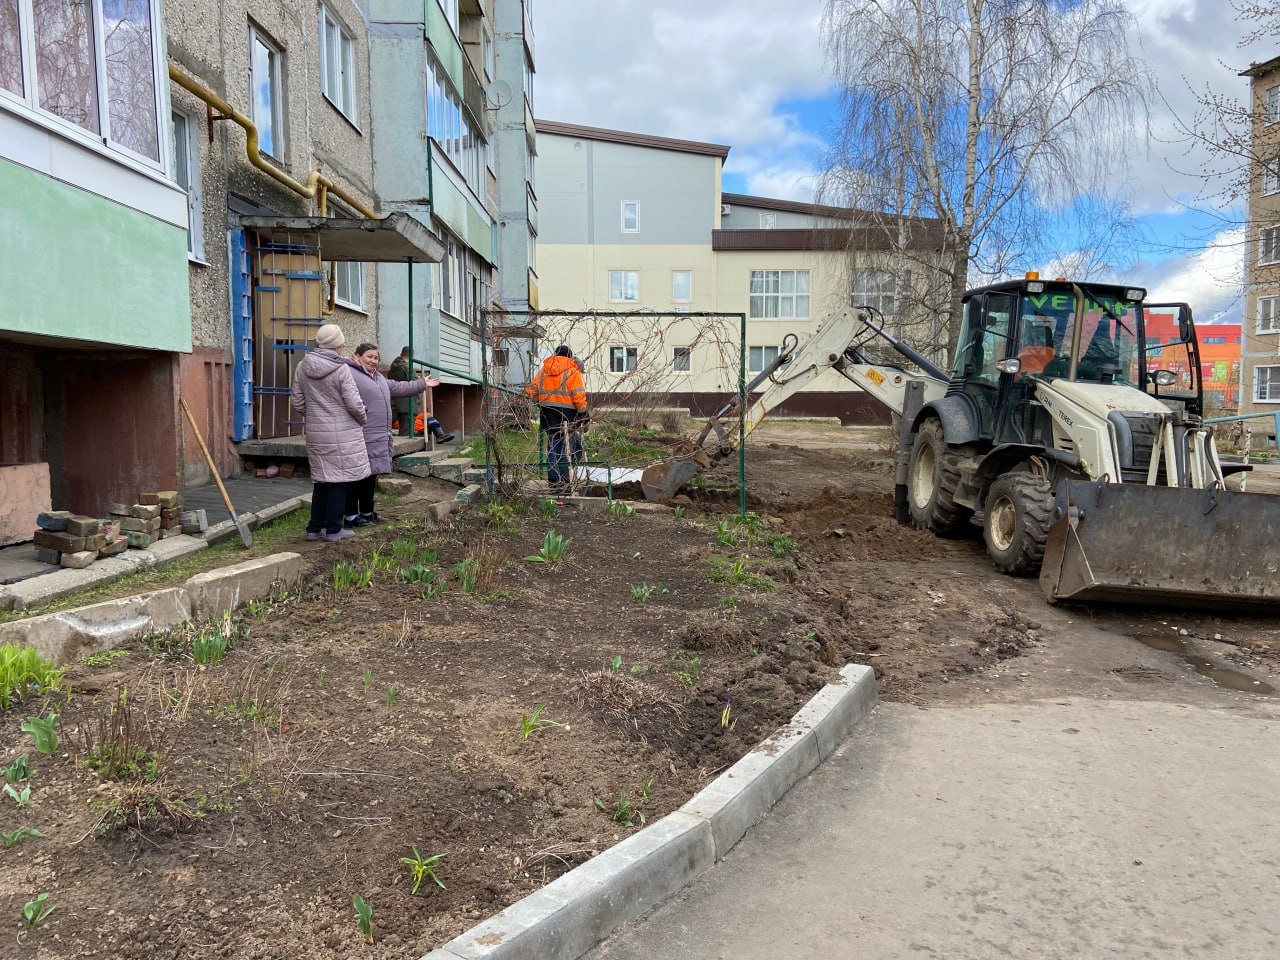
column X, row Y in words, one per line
column 637, row 239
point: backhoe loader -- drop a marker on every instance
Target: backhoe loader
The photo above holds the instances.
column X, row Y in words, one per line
column 1074, row 440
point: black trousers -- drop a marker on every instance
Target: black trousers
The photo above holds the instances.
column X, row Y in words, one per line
column 327, row 502
column 360, row 495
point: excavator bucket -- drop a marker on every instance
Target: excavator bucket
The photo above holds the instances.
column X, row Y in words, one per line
column 662, row 481
column 1169, row 546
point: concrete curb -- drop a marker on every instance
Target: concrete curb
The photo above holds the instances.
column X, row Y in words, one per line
column 569, row 916
column 65, row 635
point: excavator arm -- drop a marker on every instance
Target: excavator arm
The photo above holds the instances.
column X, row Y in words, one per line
column 838, row 344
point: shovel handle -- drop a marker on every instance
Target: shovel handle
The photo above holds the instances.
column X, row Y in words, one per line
column 213, row 468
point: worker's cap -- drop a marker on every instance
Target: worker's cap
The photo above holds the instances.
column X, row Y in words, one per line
column 563, row 351
column 329, row 337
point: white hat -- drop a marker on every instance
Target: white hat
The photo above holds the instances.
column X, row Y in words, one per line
column 329, row 337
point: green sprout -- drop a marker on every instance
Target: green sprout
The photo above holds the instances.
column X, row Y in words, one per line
column 420, row 868
column 36, row 912
column 554, row 546
column 364, row 916
column 21, row 798
column 532, row 723
column 43, row 731
column 15, row 837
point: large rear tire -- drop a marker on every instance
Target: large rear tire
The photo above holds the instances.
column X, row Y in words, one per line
column 933, row 474
column 1018, row 511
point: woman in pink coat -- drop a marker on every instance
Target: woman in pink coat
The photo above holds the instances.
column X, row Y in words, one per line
column 325, row 393
column 377, row 393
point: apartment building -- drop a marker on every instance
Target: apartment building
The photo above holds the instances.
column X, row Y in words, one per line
column 1261, row 370
column 93, row 256
column 632, row 222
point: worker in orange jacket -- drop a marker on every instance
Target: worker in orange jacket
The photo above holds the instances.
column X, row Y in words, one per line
column 561, row 396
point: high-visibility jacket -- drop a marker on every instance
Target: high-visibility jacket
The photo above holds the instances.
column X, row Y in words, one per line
column 558, row 384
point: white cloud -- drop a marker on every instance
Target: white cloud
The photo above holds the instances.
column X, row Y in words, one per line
column 714, row 72
column 1209, row 280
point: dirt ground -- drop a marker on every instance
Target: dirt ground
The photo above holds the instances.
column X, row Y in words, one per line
column 524, row 726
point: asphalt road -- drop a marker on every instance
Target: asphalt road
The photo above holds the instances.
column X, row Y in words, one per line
column 1076, row 828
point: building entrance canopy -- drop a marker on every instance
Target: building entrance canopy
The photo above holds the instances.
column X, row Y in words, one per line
column 395, row 238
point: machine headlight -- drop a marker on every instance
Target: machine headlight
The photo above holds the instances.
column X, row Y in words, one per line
column 1164, row 378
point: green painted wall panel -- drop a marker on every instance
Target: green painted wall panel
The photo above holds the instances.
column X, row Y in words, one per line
column 459, row 214
column 445, row 44
column 73, row 264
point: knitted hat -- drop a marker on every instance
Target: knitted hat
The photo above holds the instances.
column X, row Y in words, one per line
column 329, row 337
column 564, row 351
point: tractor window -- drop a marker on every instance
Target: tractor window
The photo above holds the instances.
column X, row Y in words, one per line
column 1108, row 338
column 994, row 343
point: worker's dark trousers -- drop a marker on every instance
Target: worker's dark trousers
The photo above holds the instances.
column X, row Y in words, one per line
column 555, row 424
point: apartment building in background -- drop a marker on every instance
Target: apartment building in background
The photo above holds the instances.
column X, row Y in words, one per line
column 632, row 222
column 1260, row 376
column 93, row 260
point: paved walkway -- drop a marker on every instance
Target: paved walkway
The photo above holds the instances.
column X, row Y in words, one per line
column 249, row 495
column 1080, row 829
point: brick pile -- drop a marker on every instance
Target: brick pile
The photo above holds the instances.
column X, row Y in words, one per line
column 75, row 541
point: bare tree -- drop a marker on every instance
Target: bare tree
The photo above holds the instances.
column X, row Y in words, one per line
column 999, row 118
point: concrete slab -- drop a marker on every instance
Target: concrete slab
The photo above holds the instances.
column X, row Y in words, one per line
column 451, row 468
column 267, row 514
column 737, row 799
column 838, row 707
column 395, row 486
column 419, row 464
column 469, row 493
column 63, row 582
column 570, row 915
column 68, row 634
column 248, row 494
column 19, row 563
column 228, row 588
column 173, row 548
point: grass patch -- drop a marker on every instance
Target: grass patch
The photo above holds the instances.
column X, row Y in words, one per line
column 739, row 571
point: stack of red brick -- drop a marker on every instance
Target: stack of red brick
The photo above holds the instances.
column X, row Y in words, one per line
column 76, row 541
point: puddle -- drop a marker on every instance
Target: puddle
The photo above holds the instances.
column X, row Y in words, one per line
column 1222, row 676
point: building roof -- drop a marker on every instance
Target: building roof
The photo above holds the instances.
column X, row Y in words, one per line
column 790, row 206
column 923, row 235
column 631, row 139
column 1261, row 69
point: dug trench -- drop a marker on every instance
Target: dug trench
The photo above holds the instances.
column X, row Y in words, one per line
column 436, row 691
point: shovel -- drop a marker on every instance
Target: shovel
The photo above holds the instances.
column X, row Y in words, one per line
column 245, row 536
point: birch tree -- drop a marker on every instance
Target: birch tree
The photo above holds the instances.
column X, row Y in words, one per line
column 999, row 118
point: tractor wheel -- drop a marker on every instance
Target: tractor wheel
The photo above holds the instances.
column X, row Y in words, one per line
column 1019, row 508
column 933, row 473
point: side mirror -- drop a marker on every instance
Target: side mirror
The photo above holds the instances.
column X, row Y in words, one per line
column 1011, row 365
column 1186, row 326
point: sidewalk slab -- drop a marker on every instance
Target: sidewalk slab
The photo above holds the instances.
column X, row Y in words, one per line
column 228, row 588
column 66, row 635
column 451, row 468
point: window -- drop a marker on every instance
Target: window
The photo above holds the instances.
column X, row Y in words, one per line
column 1272, row 100
column 1269, row 314
column 680, row 359
column 501, row 356
column 266, row 93
column 1270, row 175
column 337, row 65
column 528, row 83
column 779, row 293
column 186, row 173
column 450, row 8
column 349, row 283
column 490, row 65
column 452, row 129
column 877, row 289
column 681, row 286
column 630, row 216
column 622, row 359
column 768, row 221
column 624, row 286
column 760, row 357
column 92, row 64
column 1266, row 384
column 1208, row 340
column 1269, row 245
column 452, row 277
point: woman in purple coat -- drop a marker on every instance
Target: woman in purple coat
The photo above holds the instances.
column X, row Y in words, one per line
column 377, row 392
column 324, row 392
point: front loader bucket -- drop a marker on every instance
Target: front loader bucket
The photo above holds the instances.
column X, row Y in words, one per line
column 1168, row 546
column 662, row 481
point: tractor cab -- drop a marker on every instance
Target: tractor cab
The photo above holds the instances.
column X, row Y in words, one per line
column 1018, row 333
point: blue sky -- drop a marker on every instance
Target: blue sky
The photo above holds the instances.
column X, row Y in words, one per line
column 713, row 71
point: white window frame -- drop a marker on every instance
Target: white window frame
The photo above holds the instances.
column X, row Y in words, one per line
column 867, row 287
column 687, row 353
column 339, row 90
column 1272, row 384
column 766, row 353
column 1269, row 245
column 275, row 84
column 1271, row 103
column 1270, row 174
column 29, row 99
column 488, row 57
column 450, row 8
column 190, row 136
column 353, row 272
column 768, row 220
column 630, row 221
column 760, row 295
column 674, row 291
column 1269, row 315
column 624, row 274
column 623, row 359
